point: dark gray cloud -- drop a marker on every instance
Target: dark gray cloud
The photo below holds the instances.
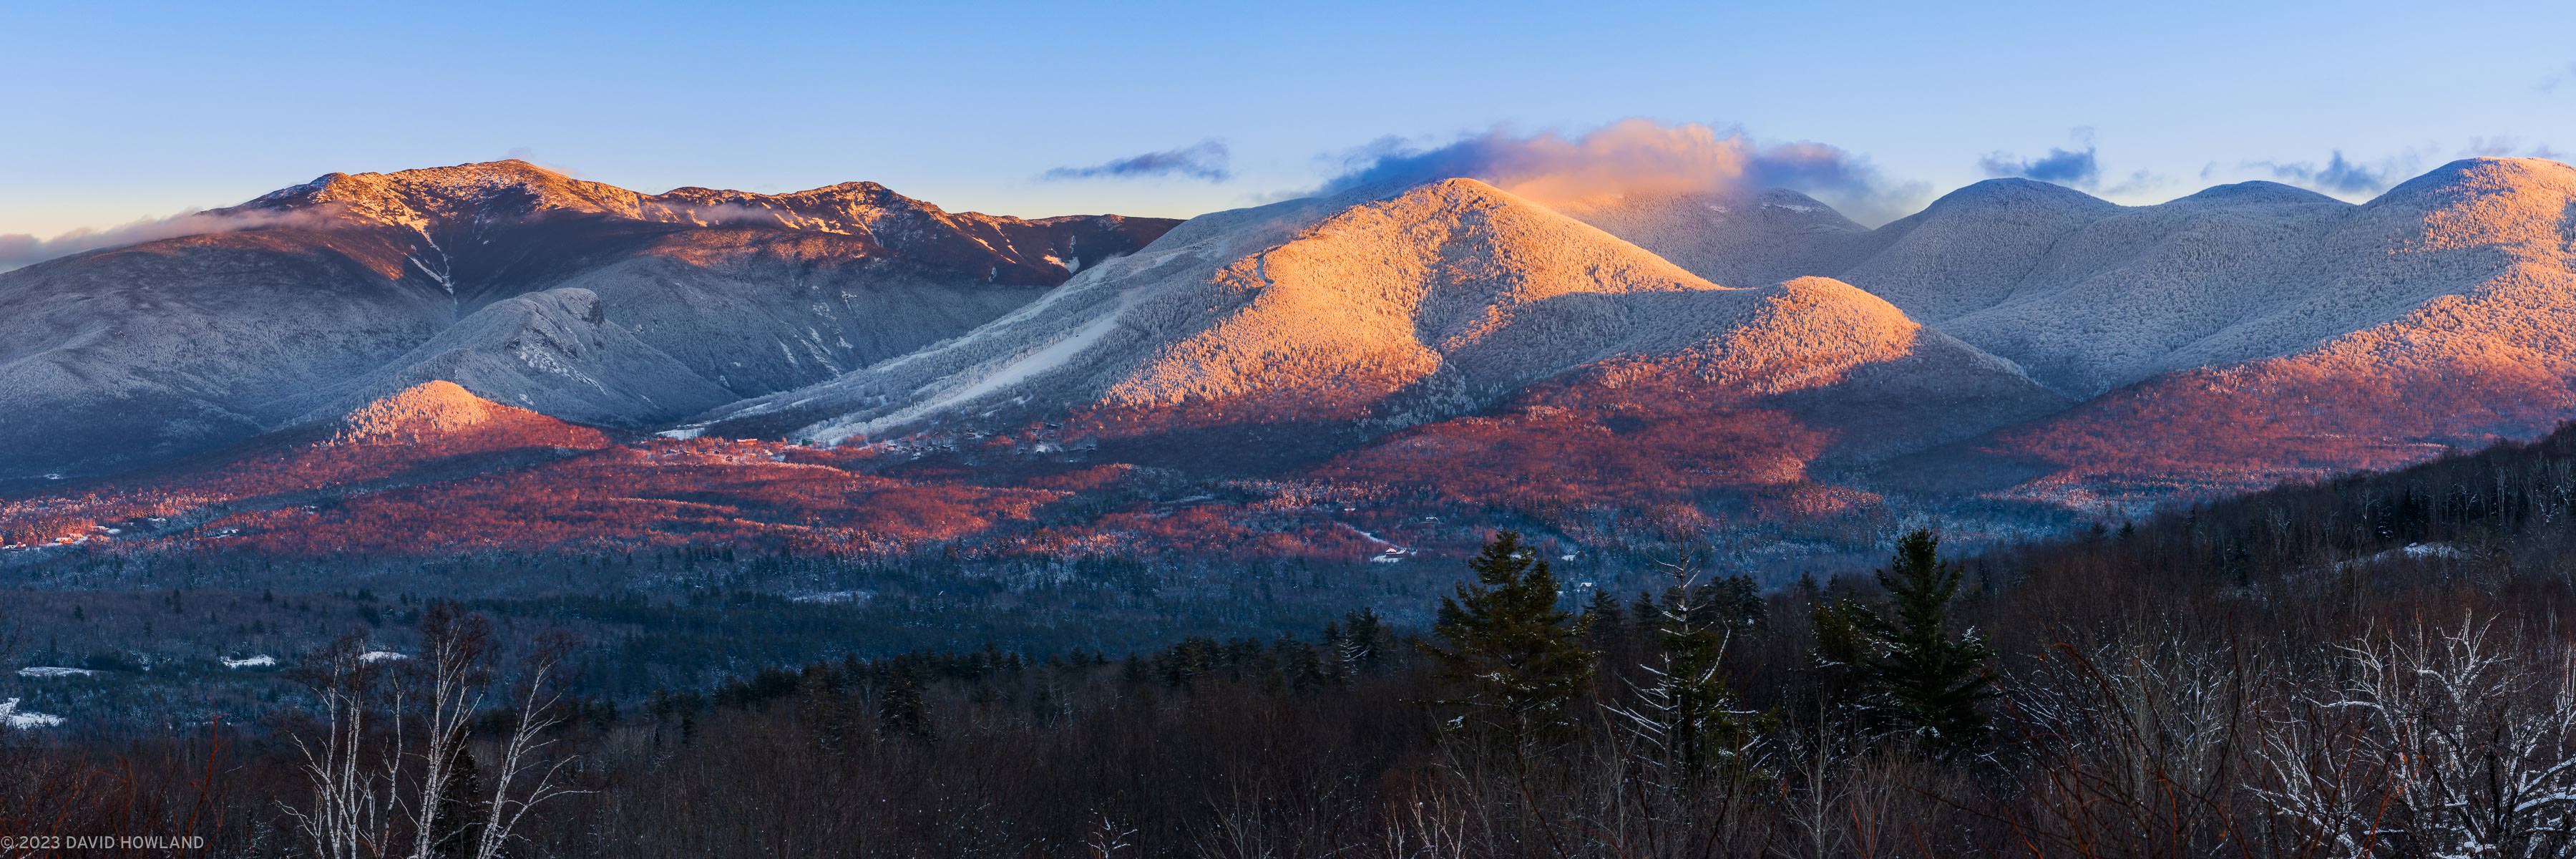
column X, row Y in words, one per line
column 21, row 249
column 1634, row 156
column 1206, row 160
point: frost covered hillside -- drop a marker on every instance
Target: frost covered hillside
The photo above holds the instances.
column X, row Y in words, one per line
column 2089, row 296
column 1379, row 309
column 1432, row 353
column 576, row 299
column 2442, row 314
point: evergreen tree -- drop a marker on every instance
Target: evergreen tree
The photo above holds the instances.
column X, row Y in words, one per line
column 1336, row 650
column 1363, row 640
column 1603, row 619
column 901, row 711
column 1737, row 602
column 1299, row 664
column 825, row 712
column 462, row 808
column 1842, row 652
column 1905, row 671
column 1685, row 713
column 1519, row 659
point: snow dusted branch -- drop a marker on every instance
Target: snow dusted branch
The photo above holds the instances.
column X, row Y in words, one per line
column 2445, row 743
column 526, row 778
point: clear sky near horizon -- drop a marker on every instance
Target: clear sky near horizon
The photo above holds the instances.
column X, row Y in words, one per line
column 128, row 111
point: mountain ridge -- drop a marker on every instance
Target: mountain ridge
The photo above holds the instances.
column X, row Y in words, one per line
column 2017, row 352
column 606, row 305
column 1448, row 292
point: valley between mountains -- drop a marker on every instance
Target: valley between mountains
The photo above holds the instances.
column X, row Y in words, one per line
column 497, row 359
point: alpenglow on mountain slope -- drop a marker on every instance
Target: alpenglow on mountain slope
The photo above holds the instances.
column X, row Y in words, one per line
column 1376, row 371
column 1380, row 309
column 582, row 301
column 2090, row 296
column 1440, row 334
column 2440, row 315
column 2231, row 338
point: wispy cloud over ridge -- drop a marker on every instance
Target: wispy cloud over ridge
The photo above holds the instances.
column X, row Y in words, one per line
column 2070, row 167
column 21, row 249
column 2340, row 175
column 2508, row 147
column 1205, row 160
column 1634, row 156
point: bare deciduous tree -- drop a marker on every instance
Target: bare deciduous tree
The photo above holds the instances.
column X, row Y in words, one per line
column 2440, row 743
column 528, row 776
column 388, row 732
column 354, row 806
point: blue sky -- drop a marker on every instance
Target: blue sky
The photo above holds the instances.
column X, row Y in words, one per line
column 124, row 111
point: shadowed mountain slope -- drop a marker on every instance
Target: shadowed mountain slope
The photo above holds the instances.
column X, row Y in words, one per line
column 569, row 297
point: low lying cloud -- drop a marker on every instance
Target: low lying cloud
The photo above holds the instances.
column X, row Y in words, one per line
column 2508, row 147
column 2340, row 175
column 21, row 249
column 713, row 214
column 2489, row 147
column 1205, row 160
column 1634, row 157
column 529, row 155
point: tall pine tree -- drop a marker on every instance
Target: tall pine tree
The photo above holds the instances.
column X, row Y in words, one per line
column 900, row 708
column 1904, row 670
column 1518, row 659
column 1685, row 714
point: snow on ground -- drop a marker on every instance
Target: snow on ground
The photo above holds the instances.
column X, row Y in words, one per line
column 1389, row 555
column 381, row 656
column 1052, row 356
column 262, row 661
column 1053, row 336
column 2411, row 552
column 53, row 671
column 1049, row 358
column 1373, row 538
column 23, row 719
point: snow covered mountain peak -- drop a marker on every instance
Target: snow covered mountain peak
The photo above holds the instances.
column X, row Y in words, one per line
column 1739, row 239
column 2254, row 193
column 419, row 197
column 1380, row 308
column 2013, row 192
column 578, row 299
column 2488, row 174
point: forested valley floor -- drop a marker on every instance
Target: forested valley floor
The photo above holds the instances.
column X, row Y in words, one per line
column 2374, row 666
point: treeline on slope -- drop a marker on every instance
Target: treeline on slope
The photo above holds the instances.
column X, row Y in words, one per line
column 1620, row 478
column 2369, row 666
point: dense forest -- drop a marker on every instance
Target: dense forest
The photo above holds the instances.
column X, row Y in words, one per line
column 2373, row 666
